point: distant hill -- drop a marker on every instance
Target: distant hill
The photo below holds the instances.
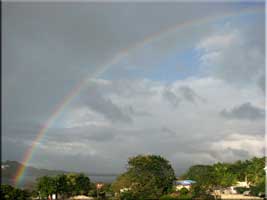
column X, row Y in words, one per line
column 9, row 169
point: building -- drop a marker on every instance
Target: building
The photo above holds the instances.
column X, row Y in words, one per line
column 81, row 197
column 179, row 184
column 4, row 166
column 125, row 190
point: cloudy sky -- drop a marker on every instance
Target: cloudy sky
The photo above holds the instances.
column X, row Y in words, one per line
column 183, row 80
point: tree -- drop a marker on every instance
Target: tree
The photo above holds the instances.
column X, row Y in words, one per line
column 78, row 184
column 46, row 185
column 239, row 168
column 8, row 193
column 203, row 175
column 82, row 184
column 61, row 185
column 148, row 176
column 255, row 170
column 92, row 191
column 223, row 176
column 64, row 185
column 123, row 181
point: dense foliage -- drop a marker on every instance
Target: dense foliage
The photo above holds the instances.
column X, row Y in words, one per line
column 147, row 177
column 221, row 175
column 151, row 177
column 10, row 193
column 63, row 185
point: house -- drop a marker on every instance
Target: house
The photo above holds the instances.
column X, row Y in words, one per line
column 82, row 197
column 179, row 184
column 242, row 184
column 125, row 190
column 230, row 190
column 4, row 166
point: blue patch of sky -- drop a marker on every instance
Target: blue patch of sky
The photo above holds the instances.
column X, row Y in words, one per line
column 249, row 4
column 175, row 66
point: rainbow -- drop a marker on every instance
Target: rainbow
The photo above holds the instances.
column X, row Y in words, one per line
column 118, row 57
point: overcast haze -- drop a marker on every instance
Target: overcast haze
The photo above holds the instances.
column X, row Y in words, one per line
column 193, row 94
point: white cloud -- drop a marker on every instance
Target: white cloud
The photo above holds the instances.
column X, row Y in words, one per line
column 194, row 130
column 114, row 119
column 217, row 42
column 237, row 143
column 230, row 54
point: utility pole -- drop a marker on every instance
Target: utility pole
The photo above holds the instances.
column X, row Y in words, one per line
column 98, row 186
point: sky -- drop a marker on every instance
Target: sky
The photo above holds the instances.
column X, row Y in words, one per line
column 181, row 80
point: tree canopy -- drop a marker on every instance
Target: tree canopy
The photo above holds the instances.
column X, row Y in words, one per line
column 147, row 176
column 8, row 192
column 63, row 184
column 227, row 174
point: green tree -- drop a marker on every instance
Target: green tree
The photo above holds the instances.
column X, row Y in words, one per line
column 148, row 177
column 203, row 175
column 46, row 186
column 122, row 181
column 10, row 193
column 92, row 191
column 78, row 184
column 255, row 170
column 61, row 185
column 239, row 168
column 223, row 175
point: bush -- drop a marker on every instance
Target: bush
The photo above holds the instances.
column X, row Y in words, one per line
column 168, row 197
column 8, row 192
column 127, row 196
column 183, row 195
column 205, row 196
column 183, row 191
column 255, row 190
column 241, row 190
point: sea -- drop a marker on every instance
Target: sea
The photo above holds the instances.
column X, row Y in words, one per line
column 102, row 178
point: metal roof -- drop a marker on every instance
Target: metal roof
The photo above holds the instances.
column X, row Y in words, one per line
column 184, row 182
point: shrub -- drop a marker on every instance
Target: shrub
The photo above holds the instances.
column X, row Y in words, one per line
column 168, row 197
column 127, row 196
column 255, row 190
column 183, row 195
column 241, row 190
column 183, row 191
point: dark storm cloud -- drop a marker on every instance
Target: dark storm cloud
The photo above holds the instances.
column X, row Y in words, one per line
column 171, row 97
column 80, row 134
column 183, row 94
column 170, row 132
column 136, row 112
column 244, row 111
column 236, row 54
column 261, row 83
column 49, row 47
column 189, row 94
column 105, row 106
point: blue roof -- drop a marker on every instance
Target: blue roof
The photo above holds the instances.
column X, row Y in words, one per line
column 185, row 182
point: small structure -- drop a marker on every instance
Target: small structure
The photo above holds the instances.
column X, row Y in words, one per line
column 125, row 190
column 99, row 185
column 179, row 184
column 243, row 184
column 232, row 190
column 81, row 197
column 4, row 166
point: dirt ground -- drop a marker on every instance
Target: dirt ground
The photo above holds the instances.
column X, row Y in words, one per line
column 238, row 196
